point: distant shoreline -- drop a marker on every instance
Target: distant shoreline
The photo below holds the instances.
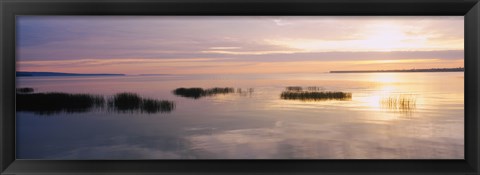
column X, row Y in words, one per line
column 51, row 74
column 403, row 70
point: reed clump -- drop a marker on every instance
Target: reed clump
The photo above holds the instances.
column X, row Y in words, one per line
column 154, row 106
column 217, row 90
column 299, row 88
column 25, row 90
column 125, row 101
column 294, row 88
column 189, row 92
column 242, row 92
column 401, row 103
column 200, row 92
column 56, row 102
column 315, row 88
column 315, row 96
column 132, row 102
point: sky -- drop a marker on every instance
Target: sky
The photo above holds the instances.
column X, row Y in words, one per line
column 235, row 44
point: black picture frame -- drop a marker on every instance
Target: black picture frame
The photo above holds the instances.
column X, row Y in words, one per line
column 470, row 9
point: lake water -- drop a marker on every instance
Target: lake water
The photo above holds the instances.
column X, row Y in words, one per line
column 256, row 123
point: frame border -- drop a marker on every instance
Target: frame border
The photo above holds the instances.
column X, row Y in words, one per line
column 470, row 9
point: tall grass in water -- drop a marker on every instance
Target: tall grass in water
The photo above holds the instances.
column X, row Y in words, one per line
column 199, row 92
column 315, row 88
column 312, row 93
column 217, row 90
column 189, row 92
column 56, row 102
column 154, row 106
column 125, row 102
column 399, row 103
column 294, row 88
column 25, row 90
column 245, row 92
column 315, row 96
column 299, row 88
column 131, row 102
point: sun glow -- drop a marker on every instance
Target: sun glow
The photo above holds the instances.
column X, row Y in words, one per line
column 392, row 37
column 378, row 37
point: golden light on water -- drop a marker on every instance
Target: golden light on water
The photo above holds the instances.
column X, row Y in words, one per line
column 373, row 100
column 384, row 78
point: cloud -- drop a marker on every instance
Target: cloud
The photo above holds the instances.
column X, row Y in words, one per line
column 232, row 56
column 280, row 22
column 351, row 56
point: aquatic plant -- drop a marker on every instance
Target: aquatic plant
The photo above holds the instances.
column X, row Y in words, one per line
column 400, row 103
column 56, row 102
column 294, row 88
column 25, row 90
column 315, row 96
column 189, row 92
column 299, row 88
column 125, row 101
column 242, row 92
column 217, row 90
column 315, row 88
column 155, row 106
column 199, row 92
column 131, row 102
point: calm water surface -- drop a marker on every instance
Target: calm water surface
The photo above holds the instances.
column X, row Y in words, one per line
column 254, row 124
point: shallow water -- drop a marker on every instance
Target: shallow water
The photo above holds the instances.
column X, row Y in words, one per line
column 255, row 124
